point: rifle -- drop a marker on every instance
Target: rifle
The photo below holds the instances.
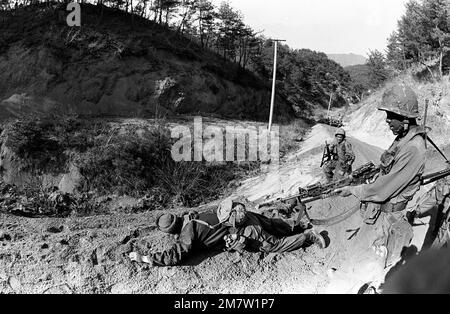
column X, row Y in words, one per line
column 326, row 154
column 433, row 177
column 319, row 191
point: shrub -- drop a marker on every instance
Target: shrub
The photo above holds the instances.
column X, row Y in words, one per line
column 125, row 164
column 117, row 159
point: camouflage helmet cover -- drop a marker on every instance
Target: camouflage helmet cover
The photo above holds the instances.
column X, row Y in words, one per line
column 402, row 100
column 340, row 131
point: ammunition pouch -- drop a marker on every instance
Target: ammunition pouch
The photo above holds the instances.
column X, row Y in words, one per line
column 370, row 212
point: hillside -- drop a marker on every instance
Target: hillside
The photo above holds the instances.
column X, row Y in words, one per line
column 111, row 67
column 370, row 124
column 82, row 188
column 349, row 59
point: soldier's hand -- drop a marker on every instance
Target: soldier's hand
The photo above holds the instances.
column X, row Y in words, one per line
column 135, row 257
column 234, row 242
column 344, row 192
column 138, row 258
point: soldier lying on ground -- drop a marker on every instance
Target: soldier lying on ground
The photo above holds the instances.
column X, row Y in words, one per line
column 436, row 205
column 245, row 231
column 262, row 234
column 341, row 157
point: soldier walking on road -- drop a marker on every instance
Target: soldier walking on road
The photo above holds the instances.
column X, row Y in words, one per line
column 340, row 159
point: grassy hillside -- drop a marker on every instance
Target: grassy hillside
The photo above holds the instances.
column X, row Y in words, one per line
column 111, row 67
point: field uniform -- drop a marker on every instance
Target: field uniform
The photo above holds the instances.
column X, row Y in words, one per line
column 342, row 158
column 383, row 203
column 268, row 235
column 197, row 235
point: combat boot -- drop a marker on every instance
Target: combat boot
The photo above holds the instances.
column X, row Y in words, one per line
column 314, row 237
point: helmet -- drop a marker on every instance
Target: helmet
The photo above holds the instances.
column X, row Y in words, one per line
column 340, row 132
column 401, row 100
column 168, row 223
column 226, row 208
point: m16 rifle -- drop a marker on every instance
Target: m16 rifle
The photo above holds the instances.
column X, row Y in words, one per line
column 319, row 191
column 433, row 177
column 326, row 154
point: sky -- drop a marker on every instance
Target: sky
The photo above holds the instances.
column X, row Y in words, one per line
column 330, row 26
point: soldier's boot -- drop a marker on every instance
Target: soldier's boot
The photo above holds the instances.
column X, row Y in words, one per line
column 314, row 237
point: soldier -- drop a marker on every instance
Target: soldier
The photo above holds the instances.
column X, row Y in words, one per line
column 384, row 201
column 341, row 158
column 195, row 232
column 215, row 231
column 436, row 205
column 257, row 233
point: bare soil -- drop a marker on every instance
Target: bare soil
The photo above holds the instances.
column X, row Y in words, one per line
column 89, row 255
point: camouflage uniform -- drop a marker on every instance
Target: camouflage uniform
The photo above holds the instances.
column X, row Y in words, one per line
column 342, row 158
column 436, row 204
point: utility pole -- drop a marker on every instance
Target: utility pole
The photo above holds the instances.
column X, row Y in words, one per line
column 329, row 107
column 274, row 81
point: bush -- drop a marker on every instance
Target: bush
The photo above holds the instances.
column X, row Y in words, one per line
column 117, row 159
column 125, row 164
column 30, row 140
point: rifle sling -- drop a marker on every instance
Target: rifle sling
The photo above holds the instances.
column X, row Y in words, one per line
column 437, row 148
column 337, row 219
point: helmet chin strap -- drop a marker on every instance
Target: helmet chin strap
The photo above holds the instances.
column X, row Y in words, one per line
column 405, row 127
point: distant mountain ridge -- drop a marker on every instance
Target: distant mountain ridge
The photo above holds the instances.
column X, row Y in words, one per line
column 348, row 59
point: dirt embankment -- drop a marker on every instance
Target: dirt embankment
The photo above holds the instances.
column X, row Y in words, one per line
column 111, row 68
column 89, row 255
column 369, row 125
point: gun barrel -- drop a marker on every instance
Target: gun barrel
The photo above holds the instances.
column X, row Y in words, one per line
column 433, row 177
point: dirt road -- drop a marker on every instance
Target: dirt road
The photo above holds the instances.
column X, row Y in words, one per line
column 89, row 255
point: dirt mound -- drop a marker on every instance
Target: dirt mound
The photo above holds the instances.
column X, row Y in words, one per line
column 112, row 68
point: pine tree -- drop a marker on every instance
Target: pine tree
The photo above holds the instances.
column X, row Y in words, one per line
column 378, row 71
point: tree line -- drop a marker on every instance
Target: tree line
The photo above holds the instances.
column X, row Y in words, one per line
column 422, row 38
column 305, row 76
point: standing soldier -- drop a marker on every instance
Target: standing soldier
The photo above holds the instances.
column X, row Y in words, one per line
column 384, row 201
column 340, row 158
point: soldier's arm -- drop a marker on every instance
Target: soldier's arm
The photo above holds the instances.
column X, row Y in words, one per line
column 408, row 165
column 350, row 154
